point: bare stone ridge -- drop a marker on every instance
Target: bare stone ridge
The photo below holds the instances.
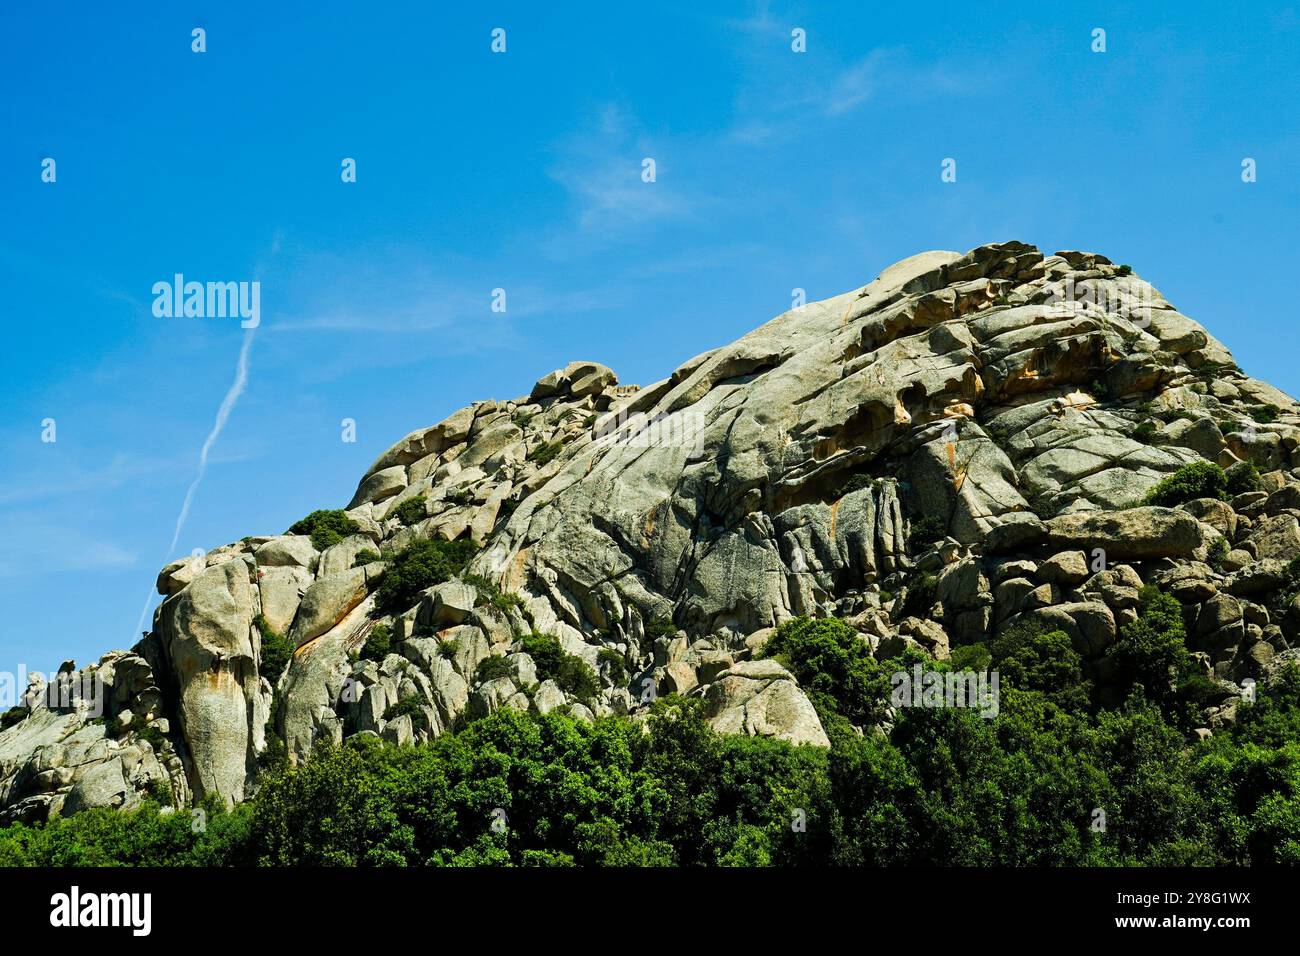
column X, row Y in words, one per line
column 965, row 442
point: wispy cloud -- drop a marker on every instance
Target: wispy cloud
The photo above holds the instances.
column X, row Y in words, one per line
column 781, row 95
column 601, row 169
column 118, row 471
column 223, row 415
column 51, row 550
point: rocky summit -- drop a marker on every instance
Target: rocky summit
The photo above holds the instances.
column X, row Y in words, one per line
column 967, row 442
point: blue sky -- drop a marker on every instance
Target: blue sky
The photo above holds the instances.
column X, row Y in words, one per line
column 522, row 170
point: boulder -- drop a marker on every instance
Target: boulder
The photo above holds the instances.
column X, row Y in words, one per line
column 1067, row 569
column 1140, row 533
column 206, row 636
column 327, row 602
column 379, row 485
column 761, row 699
column 295, row 550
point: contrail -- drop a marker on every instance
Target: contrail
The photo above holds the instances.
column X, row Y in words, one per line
column 223, row 415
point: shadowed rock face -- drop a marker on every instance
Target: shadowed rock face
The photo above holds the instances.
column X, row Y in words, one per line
column 952, row 448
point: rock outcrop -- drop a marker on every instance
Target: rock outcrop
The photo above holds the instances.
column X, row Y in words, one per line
column 959, row 445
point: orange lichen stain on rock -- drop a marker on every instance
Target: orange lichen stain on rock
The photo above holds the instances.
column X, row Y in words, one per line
column 835, row 509
column 1026, row 373
column 219, row 676
column 901, row 415
column 513, row 577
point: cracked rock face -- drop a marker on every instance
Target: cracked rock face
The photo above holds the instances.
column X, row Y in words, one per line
column 961, row 444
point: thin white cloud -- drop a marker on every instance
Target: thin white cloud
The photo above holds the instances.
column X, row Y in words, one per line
column 223, row 415
column 601, row 170
column 117, row 472
column 50, row 550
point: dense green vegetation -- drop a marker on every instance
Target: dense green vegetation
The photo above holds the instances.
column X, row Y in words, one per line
column 1200, row 479
column 379, row 643
column 326, row 527
column 1052, row 779
column 572, row 674
column 945, row 787
column 276, row 650
column 833, row 666
column 1241, row 478
column 421, row 565
column 545, row 453
column 411, row 511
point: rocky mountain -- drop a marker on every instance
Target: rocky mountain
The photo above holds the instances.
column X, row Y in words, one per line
column 966, row 442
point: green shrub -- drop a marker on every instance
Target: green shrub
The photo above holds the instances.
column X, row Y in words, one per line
column 160, row 792
column 421, row 565
column 1029, row 656
column 379, row 643
column 544, row 453
column 1146, row 432
column 971, row 657
column 1200, row 479
column 920, row 595
column 660, row 627
column 926, row 530
column 1241, row 478
column 411, row 511
column 857, row 483
column 545, row 652
column 1264, row 414
column 1152, row 650
column 276, row 650
column 492, row 667
column 12, row 716
column 408, row 706
column 1124, row 270
column 366, row 556
column 326, row 528
column 573, row 675
column 614, row 665
column 1218, row 552
column 576, row 678
column 833, row 665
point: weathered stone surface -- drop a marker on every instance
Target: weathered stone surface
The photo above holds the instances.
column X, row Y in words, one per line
column 327, row 602
column 1137, row 533
column 207, row 639
column 1067, row 568
column 936, row 456
column 294, row 550
column 281, row 592
column 379, row 485
column 761, row 698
